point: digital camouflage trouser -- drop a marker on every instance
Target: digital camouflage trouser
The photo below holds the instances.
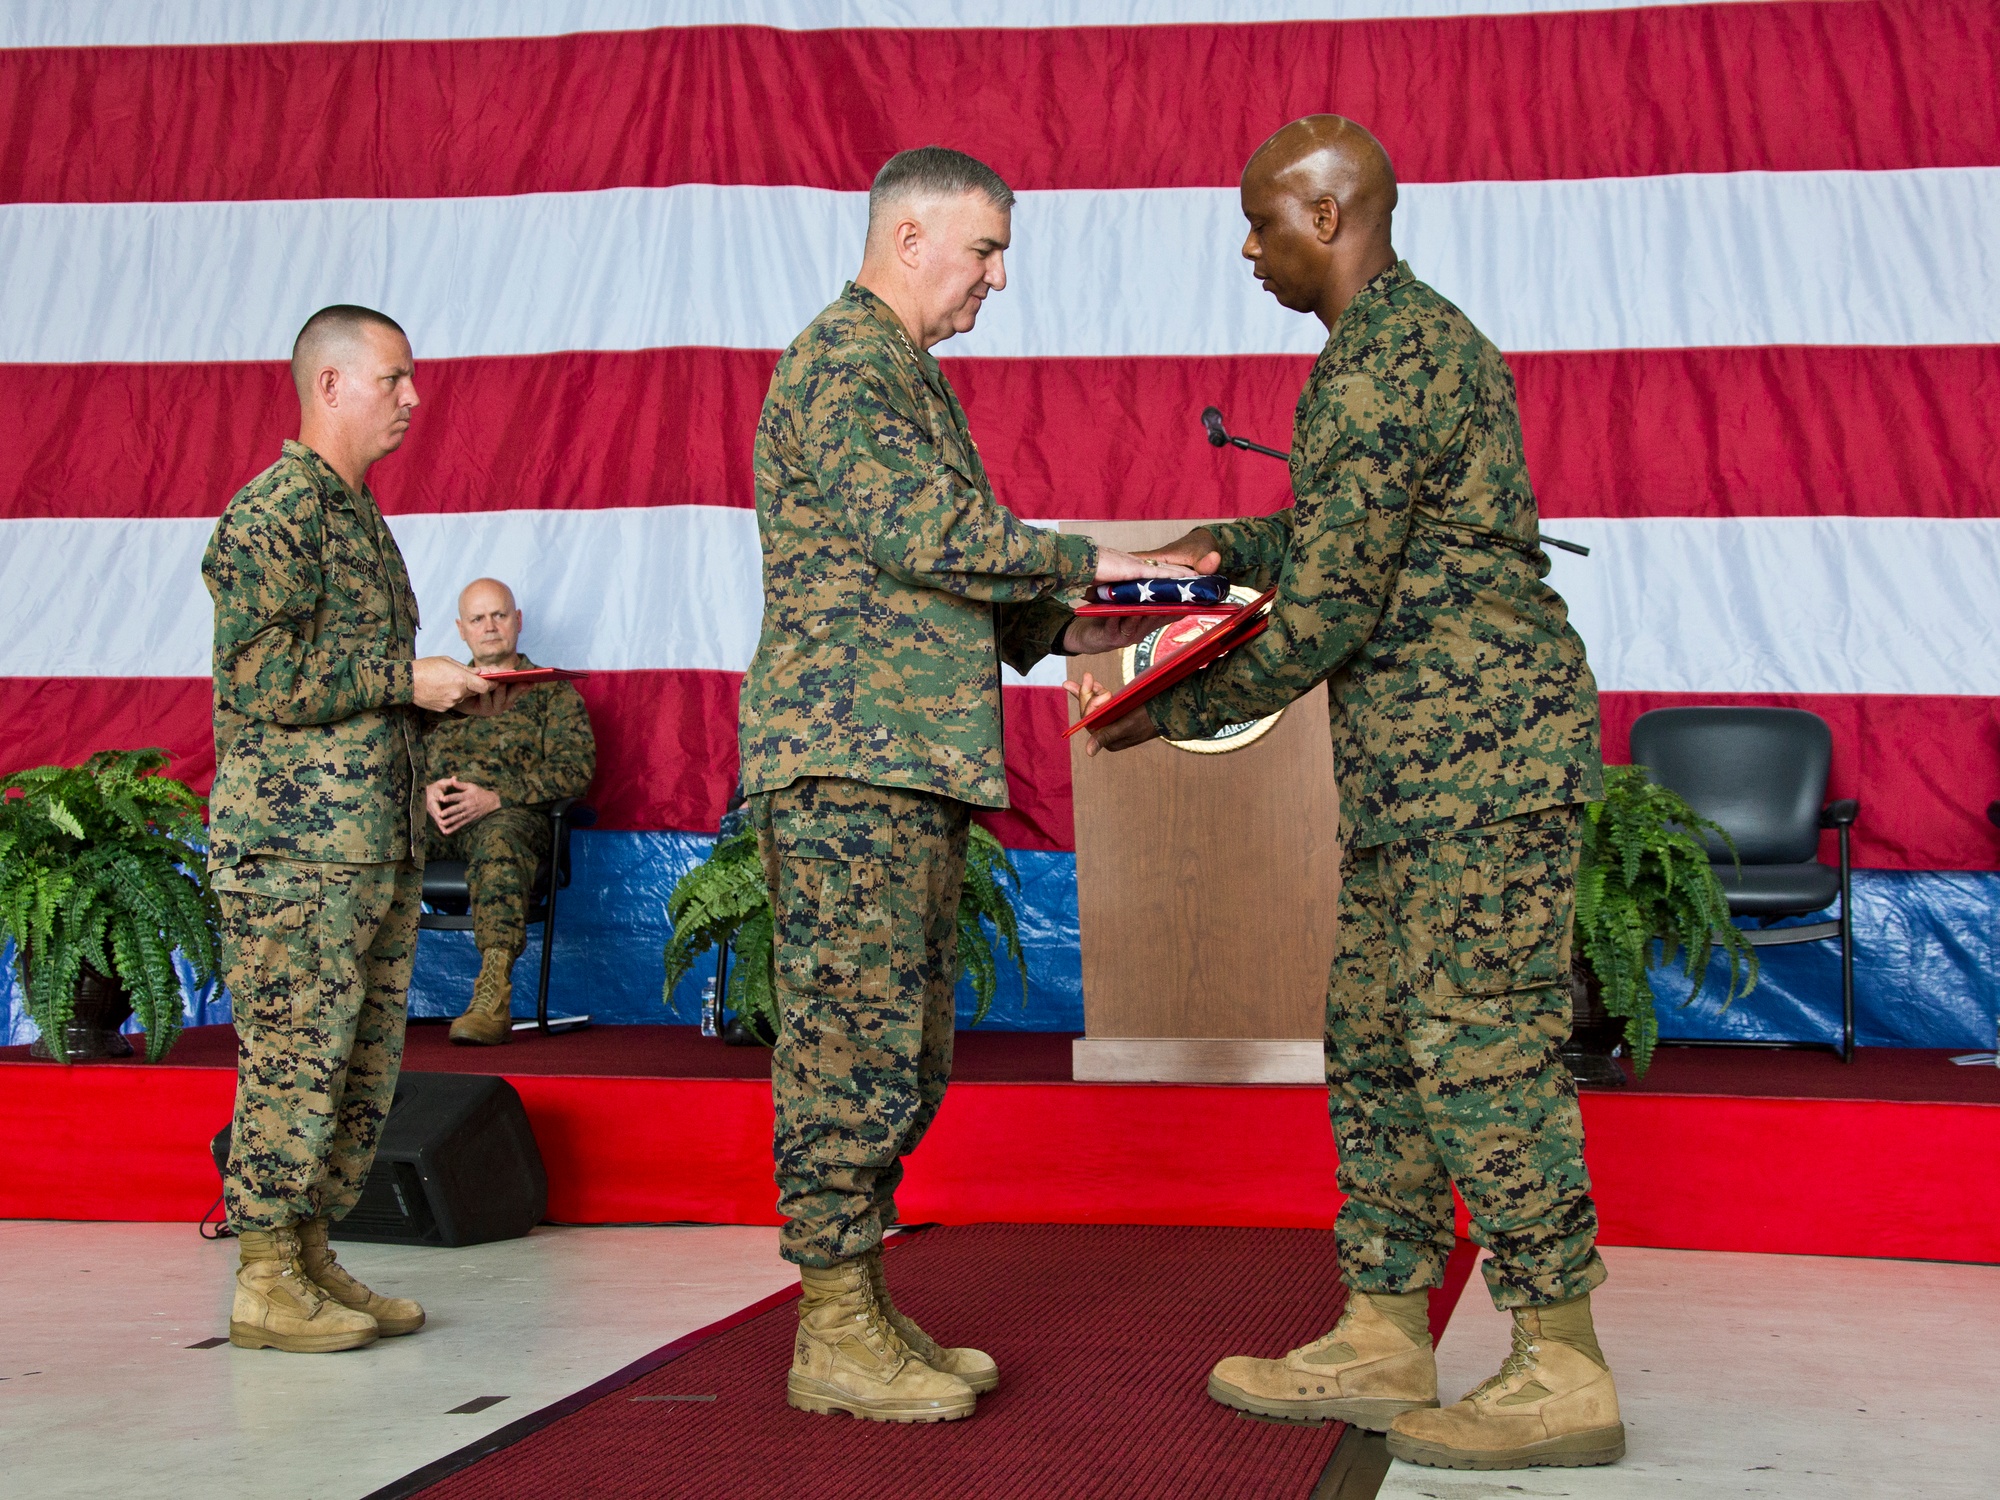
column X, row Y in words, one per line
column 501, row 851
column 864, row 885
column 1448, row 1000
column 317, row 957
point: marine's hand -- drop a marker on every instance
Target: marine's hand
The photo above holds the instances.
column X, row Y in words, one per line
column 1114, row 566
column 1098, row 633
column 459, row 804
column 1196, row 550
column 434, row 800
column 441, row 683
column 1123, row 733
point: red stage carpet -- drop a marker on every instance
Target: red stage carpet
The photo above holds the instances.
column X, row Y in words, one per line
column 1104, row 1339
column 1718, row 1150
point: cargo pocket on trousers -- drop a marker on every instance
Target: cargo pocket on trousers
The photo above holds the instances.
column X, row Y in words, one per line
column 835, row 929
column 268, row 910
column 1511, row 927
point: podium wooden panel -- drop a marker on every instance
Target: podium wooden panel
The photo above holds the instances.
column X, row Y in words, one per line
column 1206, row 890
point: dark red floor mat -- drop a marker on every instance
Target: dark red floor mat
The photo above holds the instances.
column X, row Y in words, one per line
column 634, row 1052
column 1104, row 1337
column 1900, row 1073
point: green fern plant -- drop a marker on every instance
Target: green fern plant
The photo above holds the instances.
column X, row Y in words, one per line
column 1645, row 878
column 723, row 900
column 101, row 865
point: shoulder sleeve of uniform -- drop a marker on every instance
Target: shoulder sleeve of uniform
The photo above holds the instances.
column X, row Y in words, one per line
column 263, row 560
column 263, row 568
column 921, row 520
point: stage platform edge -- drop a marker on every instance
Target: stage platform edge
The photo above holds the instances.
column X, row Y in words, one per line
column 1811, row 1176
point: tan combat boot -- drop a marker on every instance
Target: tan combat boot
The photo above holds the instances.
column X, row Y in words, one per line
column 1375, row 1364
column 847, row 1358
column 974, row 1366
column 393, row 1315
column 278, row 1306
column 1552, row 1404
column 489, row 1019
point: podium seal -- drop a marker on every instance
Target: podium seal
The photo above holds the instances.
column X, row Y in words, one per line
column 1170, row 638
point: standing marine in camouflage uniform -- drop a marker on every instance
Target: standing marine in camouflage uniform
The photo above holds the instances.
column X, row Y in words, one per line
column 315, row 835
column 894, row 586
column 493, row 781
column 1464, row 718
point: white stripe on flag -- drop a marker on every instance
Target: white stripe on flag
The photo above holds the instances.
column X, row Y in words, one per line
column 676, row 586
column 1786, row 605
column 1717, row 259
column 131, row 23
column 1692, row 606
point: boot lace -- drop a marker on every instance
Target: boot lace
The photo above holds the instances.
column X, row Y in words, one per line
column 307, row 1289
column 1519, row 1360
column 881, row 1333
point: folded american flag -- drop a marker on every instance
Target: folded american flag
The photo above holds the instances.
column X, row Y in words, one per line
column 1209, row 590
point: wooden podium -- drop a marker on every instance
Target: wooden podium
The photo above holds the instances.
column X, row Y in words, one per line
column 1206, row 888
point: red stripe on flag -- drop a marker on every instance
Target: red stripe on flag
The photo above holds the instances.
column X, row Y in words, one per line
column 1923, row 767
column 519, row 432
column 1794, row 431
column 1656, row 432
column 1861, row 84
column 666, row 743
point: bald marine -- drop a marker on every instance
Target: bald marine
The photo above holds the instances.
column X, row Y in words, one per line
column 489, row 622
column 1409, row 578
column 1319, row 196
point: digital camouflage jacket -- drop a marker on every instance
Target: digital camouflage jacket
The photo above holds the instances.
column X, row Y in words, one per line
column 1409, row 580
column 894, row 583
column 318, row 747
column 537, row 752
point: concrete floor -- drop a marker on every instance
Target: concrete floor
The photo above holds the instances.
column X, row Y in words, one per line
column 101, row 1394
column 1739, row 1374
column 1767, row 1375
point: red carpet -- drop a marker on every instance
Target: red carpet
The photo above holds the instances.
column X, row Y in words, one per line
column 1104, row 1339
column 1719, row 1150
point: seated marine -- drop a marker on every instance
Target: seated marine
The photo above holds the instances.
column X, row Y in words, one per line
column 494, row 781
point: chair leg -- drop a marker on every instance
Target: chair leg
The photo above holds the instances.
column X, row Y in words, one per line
column 542, row 1023
column 542, row 985
column 1846, row 950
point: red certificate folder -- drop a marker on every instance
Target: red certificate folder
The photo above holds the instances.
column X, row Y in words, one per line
column 529, row 675
column 1247, row 623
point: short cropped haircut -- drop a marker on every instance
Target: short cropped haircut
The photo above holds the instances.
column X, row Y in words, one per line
column 343, row 317
column 337, row 321
column 934, row 172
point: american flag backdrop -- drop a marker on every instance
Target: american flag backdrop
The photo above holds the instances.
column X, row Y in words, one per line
column 1744, row 259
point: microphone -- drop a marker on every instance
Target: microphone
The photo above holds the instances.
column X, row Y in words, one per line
column 1219, row 437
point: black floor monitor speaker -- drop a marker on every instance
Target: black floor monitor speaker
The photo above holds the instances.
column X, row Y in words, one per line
column 457, row 1165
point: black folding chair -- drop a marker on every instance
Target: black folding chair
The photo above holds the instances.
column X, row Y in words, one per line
column 448, row 904
column 1761, row 773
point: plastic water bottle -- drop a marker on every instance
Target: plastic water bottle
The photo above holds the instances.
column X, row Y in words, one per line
column 711, row 1010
